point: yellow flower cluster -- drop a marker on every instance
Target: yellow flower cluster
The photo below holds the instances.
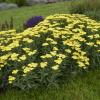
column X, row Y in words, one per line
column 57, row 39
column 11, row 79
column 29, row 67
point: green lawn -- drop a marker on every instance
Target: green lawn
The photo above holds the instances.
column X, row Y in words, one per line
column 20, row 15
column 86, row 87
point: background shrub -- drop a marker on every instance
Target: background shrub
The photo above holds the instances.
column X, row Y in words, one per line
column 18, row 2
column 93, row 14
column 88, row 7
column 81, row 6
column 2, row 0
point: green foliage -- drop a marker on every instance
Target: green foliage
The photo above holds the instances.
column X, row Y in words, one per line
column 61, row 45
column 82, row 6
column 7, row 25
column 18, row 2
column 89, row 7
column 84, row 87
column 93, row 14
column 2, row 0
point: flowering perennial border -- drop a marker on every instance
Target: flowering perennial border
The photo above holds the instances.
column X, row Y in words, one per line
column 61, row 41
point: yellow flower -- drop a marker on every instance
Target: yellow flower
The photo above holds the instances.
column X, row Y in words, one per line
column 68, row 50
column 37, row 35
column 58, row 61
column 74, row 57
column 43, row 56
column 33, row 65
column 53, row 42
column 81, row 64
column 1, row 65
column 91, row 36
column 55, row 48
column 32, row 53
column 7, row 48
column 48, row 55
column 27, row 69
column 26, row 49
column 28, row 40
column 14, row 56
column 45, row 44
column 15, row 71
column 49, row 39
column 23, row 57
column 63, row 36
column 98, row 51
column 56, row 67
column 56, row 35
column 11, row 79
column 24, row 75
column 61, row 56
column 98, row 42
column 87, row 63
column 53, row 53
column 90, row 43
column 43, row 64
column 96, row 36
column 83, row 53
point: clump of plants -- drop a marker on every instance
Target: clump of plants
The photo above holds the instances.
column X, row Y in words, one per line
column 7, row 25
column 18, row 2
column 33, row 21
column 2, row 0
column 88, row 7
column 49, row 52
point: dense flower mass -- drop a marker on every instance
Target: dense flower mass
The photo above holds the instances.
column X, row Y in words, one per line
column 61, row 42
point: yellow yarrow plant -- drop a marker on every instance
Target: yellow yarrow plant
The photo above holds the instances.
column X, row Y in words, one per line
column 65, row 40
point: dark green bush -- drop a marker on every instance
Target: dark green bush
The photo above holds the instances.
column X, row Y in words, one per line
column 18, row 2
column 93, row 14
column 82, row 6
column 90, row 8
column 2, row 0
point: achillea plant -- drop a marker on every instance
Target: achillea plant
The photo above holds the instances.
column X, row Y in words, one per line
column 56, row 47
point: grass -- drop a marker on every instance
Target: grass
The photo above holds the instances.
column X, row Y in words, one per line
column 90, row 8
column 84, row 87
column 20, row 15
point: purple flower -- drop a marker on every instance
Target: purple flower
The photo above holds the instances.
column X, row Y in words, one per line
column 33, row 21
